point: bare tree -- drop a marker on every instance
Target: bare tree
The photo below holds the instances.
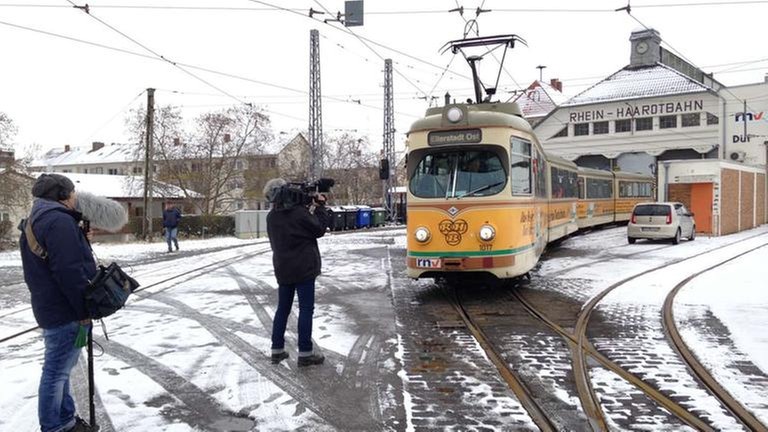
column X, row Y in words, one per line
column 351, row 161
column 210, row 160
column 7, row 130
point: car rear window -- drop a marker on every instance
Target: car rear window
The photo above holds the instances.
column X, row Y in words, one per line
column 652, row 210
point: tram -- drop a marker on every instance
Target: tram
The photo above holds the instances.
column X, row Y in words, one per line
column 485, row 198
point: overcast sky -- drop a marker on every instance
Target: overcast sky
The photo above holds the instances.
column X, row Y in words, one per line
column 60, row 91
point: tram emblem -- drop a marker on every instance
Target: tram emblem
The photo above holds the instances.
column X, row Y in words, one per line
column 453, row 211
column 452, row 230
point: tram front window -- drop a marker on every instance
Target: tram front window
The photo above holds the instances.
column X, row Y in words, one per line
column 457, row 174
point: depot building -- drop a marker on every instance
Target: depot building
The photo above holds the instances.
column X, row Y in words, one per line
column 656, row 116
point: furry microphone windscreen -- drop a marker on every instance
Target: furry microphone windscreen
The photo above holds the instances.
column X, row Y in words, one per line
column 103, row 213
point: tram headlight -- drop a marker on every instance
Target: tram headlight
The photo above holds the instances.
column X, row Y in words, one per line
column 454, row 114
column 487, row 233
column 421, row 235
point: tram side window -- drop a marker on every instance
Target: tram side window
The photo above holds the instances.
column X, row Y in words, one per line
column 540, row 174
column 581, row 187
column 598, row 188
column 520, row 166
column 634, row 189
column 564, row 183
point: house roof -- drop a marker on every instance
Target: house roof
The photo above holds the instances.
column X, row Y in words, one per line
column 539, row 99
column 112, row 153
column 638, row 82
column 123, row 186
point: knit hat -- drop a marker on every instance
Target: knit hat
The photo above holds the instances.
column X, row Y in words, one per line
column 54, row 187
column 272, row 187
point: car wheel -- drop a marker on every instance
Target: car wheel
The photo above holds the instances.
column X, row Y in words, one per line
column 676, row 238
column 631, row 240
column 693, row 234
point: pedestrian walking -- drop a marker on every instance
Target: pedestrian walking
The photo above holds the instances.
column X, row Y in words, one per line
column 293, row 230
column 58, row 264
column 171, row 218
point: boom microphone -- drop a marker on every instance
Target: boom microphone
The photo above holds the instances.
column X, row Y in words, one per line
column 104, row 213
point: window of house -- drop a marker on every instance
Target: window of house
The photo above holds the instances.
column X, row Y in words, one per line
column 6, row 217
column 563, row 133
column 712, row 119
column 668, row 122
column 138, row 211
column 112, row 171
column 581, row 129
column 689, row 120
column 138, row 170
column 600, row 128
column 239, row 166
column 195, row 167
column 98, row 170
column 644, row 124
column 623, row 125
column 240, row 205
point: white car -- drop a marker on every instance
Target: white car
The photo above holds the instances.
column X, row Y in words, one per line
column 662, row 220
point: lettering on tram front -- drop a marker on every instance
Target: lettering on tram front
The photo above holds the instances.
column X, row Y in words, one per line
column 452, row 230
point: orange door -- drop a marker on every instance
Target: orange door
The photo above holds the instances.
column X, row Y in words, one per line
column 701, row 206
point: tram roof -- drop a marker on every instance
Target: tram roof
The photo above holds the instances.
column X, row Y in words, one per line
column 504, row 114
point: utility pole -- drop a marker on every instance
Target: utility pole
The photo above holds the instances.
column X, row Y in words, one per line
column 315, row 108
column 389, row 162
column 146, row 227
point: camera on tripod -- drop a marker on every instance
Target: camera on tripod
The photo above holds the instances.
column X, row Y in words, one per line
column 302, row 193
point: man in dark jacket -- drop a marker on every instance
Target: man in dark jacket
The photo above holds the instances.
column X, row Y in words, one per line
column 57, row 283
column 293, row 231
column 171, row 218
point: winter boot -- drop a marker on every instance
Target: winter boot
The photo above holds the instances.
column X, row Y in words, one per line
column 314, row 359
column 277, row 358
column 82, row 426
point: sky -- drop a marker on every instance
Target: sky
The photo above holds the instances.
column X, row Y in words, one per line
column 76, row 82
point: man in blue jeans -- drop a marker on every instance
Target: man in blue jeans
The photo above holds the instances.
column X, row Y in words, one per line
column 58, row 264
column 293, row 230
column 171, row 218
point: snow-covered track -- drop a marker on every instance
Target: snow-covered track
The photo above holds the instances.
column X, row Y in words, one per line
column 516, row 384
column 580, row 367
column 737, row 409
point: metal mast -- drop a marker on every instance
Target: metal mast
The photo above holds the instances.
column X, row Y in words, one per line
column 146, row 226
column 389, row 143
column 315, row 108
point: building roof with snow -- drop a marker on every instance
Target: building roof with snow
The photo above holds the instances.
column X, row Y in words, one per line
column 124, row 186
column 638, row 82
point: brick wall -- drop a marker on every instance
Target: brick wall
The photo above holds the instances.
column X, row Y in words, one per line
column 681, row 193
column 761, row 215
column 729, row 196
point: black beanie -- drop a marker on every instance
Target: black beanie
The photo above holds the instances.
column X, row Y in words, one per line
column 54, row 187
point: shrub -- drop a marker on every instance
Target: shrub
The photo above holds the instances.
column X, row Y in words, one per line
column 5, row 228
column 192, row 226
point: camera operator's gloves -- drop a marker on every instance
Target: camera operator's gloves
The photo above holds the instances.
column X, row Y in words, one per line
column 320, row 199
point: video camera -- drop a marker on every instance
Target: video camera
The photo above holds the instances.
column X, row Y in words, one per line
column 302, row 193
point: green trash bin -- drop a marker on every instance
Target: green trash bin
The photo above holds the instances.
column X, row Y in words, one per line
column 379, row 216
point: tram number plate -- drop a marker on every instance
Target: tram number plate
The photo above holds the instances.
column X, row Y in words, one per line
column 428, row 263
column 649, row 229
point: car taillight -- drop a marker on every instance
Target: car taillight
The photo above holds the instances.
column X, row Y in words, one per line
column 634, row 218
column 669, row 218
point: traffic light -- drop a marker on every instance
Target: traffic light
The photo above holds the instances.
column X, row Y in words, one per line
column 384, row 169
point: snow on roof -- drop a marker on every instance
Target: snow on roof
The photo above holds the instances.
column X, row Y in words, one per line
column 630, row 83
column 113, row 153
column 539, row 99
column 123, row 186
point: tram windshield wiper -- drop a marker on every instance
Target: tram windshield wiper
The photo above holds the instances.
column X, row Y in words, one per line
column 480, row 189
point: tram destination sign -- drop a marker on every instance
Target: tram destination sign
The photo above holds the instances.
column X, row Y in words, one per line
column 462, row 136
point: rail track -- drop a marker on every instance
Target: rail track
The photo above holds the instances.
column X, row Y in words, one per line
column 177, row 278
column 701, row 372
column 582, row 347
column 516, row 384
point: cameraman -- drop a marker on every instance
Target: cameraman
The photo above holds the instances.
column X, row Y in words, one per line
column 293, row 230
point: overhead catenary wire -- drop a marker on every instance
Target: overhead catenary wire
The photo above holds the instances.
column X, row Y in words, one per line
column 86, row 10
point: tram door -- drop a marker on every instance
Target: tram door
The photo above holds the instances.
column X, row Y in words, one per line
column 701, row 206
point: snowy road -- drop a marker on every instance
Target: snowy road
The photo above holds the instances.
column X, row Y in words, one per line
column 192, row 353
